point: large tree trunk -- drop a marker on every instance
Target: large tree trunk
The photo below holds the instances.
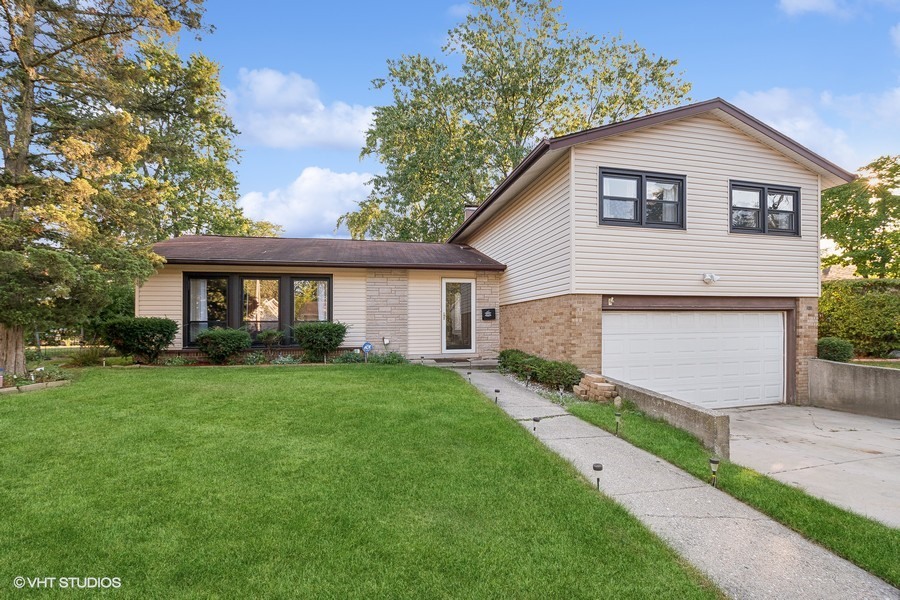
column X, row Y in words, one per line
column 12, row 349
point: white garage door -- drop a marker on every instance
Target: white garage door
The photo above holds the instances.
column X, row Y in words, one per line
column 714, row 359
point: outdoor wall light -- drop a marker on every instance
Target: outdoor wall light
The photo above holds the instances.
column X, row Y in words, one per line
column 386, row 341
column 597, row 468
column 714, row 467
column 618, row 422
column 710, row 278
column 496, row 396
column 536, row 421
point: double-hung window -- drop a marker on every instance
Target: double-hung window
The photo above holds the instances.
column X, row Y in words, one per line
column 762, row 208
column 207, row 305
column 642, row 199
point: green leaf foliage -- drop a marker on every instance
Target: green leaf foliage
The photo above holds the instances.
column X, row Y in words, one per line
column 863, row 219
column 221, row 345
column 836, row 349
column 451, row 134
column 144, row 338
column 864, row 312
column 552, row 373
column 319, row 338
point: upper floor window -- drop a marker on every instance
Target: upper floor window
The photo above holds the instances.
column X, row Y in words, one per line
column 761, row 208
column 642, row 199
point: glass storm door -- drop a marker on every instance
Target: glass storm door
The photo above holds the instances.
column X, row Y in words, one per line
column 459, row 320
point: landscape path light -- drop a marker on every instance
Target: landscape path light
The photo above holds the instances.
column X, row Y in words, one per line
column 597, row 468
column 714, row 467
column 496, row 396
column 618, row 422
column 536, row 421
column 469, row 375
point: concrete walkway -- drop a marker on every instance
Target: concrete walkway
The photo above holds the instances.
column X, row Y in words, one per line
column 744, row 552
column 849, row 460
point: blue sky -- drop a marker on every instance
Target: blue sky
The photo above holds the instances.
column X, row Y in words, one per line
column 298, row 75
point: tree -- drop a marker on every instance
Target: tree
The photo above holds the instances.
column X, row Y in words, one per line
column 450, row 136
column 73, row 208
column 863, row 219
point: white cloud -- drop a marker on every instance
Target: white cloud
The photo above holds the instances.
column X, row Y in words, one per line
column 895, row 35
column 459, row 11
column 797, row 7
column 284, row 110
column 311, row 204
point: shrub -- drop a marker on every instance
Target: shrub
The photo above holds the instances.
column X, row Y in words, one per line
column 254, row 358
column 145, row 338
column 286, row 359
column 836, row 349
column 866, row 312
column 558, row 374
column 50, row 373
column 350, row 358
column 270, row 338
column 552, row 373
column 220, row 345
column 319, row 338
column 89, row 356
column 35, row 355
column 388, row 358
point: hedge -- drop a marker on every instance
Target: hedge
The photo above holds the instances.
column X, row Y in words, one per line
column 836, row 349
column 865, row 312
column 552, row 373
column 319, row 338
column 220, row 345
column 144, row 338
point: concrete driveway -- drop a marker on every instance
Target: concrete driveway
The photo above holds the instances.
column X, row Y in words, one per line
column 850, row 460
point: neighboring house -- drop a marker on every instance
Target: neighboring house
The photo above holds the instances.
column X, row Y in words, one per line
column 677, row 251
column 838, row 272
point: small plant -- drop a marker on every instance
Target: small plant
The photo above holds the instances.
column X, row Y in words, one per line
column 178, row 361
column 350, row 358
column 286, row 359
column 41, row 375
column 836, row 349
column 89, row 356
column 388, row 358
column 35, row 355
column 145, row 338
column 319, row 338
column 271, row 339
column 220, row 345
column 254, row 358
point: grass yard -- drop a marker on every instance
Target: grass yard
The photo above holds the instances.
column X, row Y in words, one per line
column 868, row 543
column 890, row 364
column 335, row 482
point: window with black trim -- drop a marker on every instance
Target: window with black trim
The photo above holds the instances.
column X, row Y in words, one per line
column 253, row 302
column 642, row 199
column 763, row 208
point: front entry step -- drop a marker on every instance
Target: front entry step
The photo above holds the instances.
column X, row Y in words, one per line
column 595, row 388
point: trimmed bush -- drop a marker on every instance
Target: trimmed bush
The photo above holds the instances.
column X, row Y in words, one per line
column 144, row 338
column 220, row 345
column 836, row 349
column 270, row 338
column 865, row 312
column 552, row 373
column 319, row 338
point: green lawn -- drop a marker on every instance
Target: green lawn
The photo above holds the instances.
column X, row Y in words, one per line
column 890, row 364
column 868, row 543
column 337, row 482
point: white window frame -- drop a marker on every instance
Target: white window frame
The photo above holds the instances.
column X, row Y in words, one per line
column 444, row 282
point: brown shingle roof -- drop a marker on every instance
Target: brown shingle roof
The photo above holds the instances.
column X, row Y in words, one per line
column 314, row 252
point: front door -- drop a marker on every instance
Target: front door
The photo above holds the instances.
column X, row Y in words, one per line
column 459, row 319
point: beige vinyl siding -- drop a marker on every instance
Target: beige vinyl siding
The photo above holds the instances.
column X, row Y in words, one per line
column 425, row 312
column 531, row 236
column 612, row 259
column 161, row 295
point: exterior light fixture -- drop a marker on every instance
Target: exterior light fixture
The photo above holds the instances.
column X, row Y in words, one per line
column 496, row 396
column 386, row 341
column 536, row 421
column 714, row 467
column 710, row 278
column 618, row 422
column 597, row 468
column 469, row 375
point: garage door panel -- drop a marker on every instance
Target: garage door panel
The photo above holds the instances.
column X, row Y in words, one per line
column 715, row 359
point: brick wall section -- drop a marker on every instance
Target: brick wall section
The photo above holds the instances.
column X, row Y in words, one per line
column 807, row 336
column 561, row 328
column 387, row 301
column 487, row 295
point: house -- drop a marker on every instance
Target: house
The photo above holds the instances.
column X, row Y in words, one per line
column 677, row 251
